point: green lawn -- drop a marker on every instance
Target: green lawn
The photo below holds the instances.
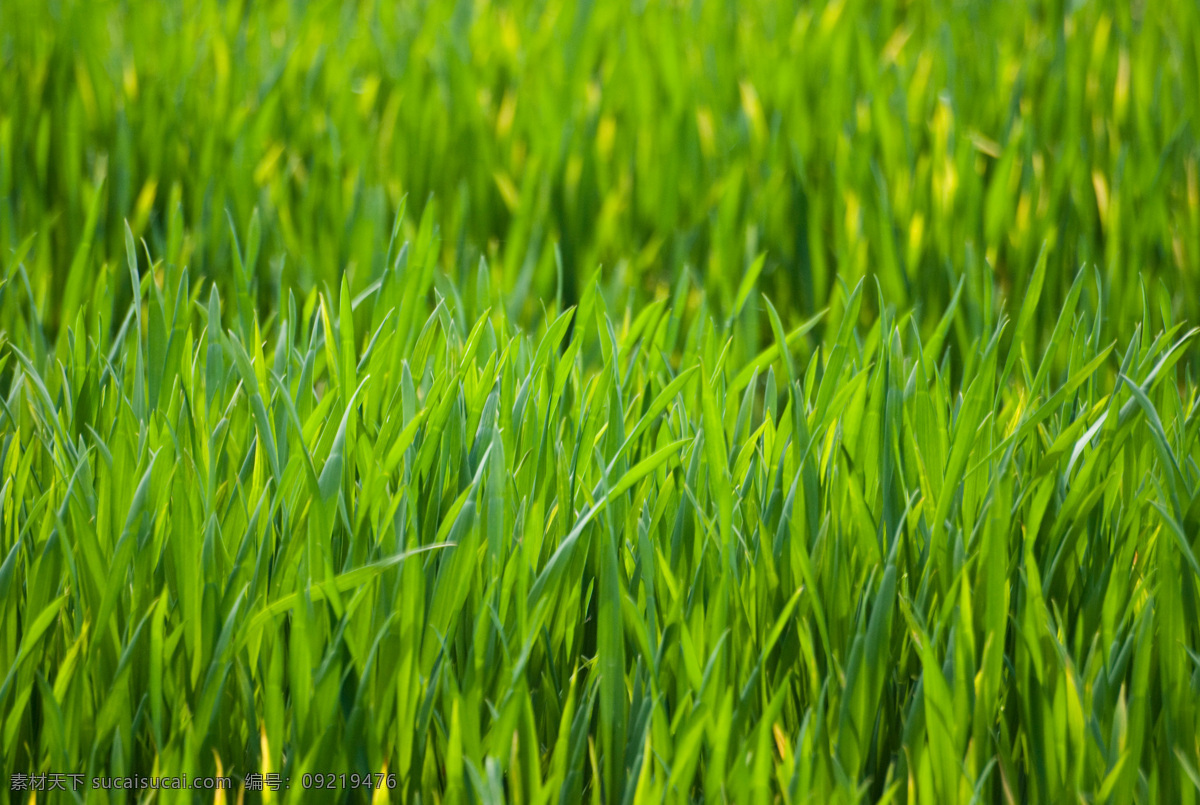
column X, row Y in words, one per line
column 620, row 402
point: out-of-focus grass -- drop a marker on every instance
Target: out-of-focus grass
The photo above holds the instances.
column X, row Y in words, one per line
column 918, row 142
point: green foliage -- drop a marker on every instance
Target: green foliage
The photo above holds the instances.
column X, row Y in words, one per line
column 589, row 560
column 550, row 402
column 916, row 141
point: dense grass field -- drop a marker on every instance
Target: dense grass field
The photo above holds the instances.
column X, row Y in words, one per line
column 550, row 402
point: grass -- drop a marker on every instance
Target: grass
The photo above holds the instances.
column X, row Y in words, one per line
column 917, row 142
column 839, row 480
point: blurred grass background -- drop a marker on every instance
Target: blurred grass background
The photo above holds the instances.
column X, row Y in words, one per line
column 920, row 142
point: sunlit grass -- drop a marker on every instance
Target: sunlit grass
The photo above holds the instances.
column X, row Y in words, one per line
column 619, row 403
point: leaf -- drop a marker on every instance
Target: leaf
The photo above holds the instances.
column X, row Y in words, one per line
column 747, row 283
